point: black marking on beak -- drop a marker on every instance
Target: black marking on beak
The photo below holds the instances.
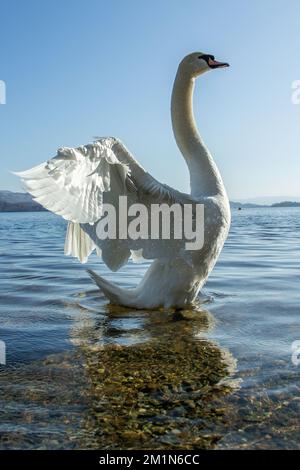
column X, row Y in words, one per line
column 211, row 62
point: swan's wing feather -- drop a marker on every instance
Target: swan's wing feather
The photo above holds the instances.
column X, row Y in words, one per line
column 146, row 185
column 141, row 188
column 73, row 182
column 78, row 181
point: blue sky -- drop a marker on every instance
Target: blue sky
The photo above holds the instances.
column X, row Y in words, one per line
column 76, row 69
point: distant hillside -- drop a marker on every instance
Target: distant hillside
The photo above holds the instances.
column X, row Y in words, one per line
column 249, row 205
column 286, row 204
column 245, row 205
column 269, row 200
column 18, row 202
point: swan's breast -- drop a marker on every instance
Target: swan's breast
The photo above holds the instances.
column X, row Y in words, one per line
column 216, row 227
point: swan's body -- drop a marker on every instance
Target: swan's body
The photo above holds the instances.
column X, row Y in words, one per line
column 76, row 183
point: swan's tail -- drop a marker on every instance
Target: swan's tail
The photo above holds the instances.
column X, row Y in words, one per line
column 115, row 294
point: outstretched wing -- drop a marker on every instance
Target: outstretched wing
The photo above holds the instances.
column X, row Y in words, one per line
column 73, row 182
column 78, row 181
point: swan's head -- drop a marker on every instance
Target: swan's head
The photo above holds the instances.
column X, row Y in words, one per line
column 197, row 63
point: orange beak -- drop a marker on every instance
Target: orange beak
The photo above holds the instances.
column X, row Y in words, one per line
column 214, row 64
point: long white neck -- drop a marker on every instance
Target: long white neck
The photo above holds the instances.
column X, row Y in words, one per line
column 205, row 178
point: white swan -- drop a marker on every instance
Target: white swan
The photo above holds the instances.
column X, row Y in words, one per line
column 76, row 183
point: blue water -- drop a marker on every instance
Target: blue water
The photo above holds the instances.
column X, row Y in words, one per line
column 50, row 306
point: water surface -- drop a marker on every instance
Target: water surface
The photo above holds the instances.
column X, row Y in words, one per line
column 217, row 377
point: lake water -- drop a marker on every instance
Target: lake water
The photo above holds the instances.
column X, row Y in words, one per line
column 82, row 374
